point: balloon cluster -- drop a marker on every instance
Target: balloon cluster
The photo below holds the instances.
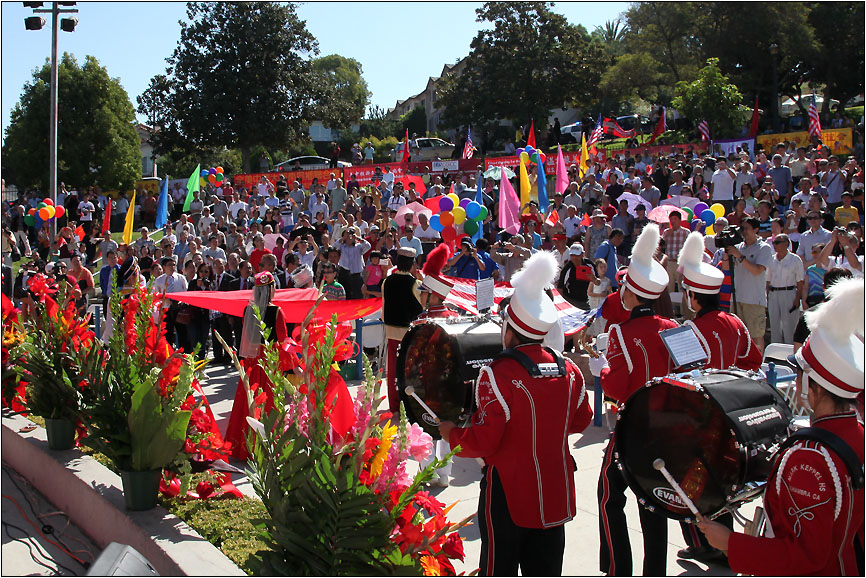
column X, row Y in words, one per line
column 454, row 211
column 44, row 212
column 708, row 216
column 532, row 155
column 212, row 175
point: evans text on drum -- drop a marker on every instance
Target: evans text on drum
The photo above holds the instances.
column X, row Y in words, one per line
column 716, row 432
column 441, row 359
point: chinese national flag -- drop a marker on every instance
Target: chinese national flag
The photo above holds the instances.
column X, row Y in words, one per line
column 586, row 221
column 79, row 232
column 106, row 218
column 552, row 218
column 405, row 158
column 530, row 140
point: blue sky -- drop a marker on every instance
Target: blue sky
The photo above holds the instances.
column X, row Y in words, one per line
column 132, row 40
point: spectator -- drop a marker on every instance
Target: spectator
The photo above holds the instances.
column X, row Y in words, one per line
column 751, row 259
column 625, row 222
column 674, row 238
column 848, row 259
column 782, row 180
column 591, row 191
column 815, row 235
column 352, row 249
column 410, row 240
column 784, row 290
column 607, row 251
column 331, row 289
column 491, row 268
column 597, row 233
column 722, row 186
column 259, row 250
column 833, row 178
column 368, row 153
column 640, row 221
column 466, row 264
column 576, row 276
column 510, row 256
column 846, row 213
column 813, row 286
column 649, row 192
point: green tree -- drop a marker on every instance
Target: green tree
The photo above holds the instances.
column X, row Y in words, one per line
column 612, row 38
column 351, row 95
column 838, row 62
column 415, row 121
column 531, row 61
column 713, row 98
column 97, row 143
column 241, row 75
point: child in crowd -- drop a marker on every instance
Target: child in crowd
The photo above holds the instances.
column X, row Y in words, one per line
column 373, row 275
column 332, row 289
column 598, row 291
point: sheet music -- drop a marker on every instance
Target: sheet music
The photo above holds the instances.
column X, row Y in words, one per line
column 683, row 345
column 484, row 294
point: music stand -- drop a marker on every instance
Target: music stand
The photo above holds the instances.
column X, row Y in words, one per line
column 684, row 347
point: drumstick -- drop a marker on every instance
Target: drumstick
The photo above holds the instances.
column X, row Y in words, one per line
column 411, row 391
column 659, row 464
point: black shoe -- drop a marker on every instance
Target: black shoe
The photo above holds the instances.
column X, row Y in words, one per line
column 700, row 553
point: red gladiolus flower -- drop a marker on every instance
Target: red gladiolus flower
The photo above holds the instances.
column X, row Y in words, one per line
column 453, row 547
column 429, row 503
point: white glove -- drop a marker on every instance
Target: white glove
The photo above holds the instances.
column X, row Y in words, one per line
column 596, row 364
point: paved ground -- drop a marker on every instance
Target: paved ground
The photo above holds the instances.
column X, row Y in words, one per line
column 33, row 551
column 581, row 552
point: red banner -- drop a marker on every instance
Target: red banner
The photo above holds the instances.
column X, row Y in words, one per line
column 364, row 173
column 249, row 180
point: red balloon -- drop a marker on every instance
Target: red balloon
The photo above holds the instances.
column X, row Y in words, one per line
column 48, row 201
column 59, row 211
column 449, row 234
column 32, row 211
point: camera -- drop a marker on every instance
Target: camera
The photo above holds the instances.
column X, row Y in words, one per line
column 729, row 237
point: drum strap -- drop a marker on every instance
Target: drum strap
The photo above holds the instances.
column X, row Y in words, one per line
column 836, row 444
column 538, row 370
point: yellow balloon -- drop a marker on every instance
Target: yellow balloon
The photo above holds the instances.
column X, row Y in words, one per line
column 709, row 231
column 524, row 157
column 459, row 215
column 718, row 210
column 454, row 198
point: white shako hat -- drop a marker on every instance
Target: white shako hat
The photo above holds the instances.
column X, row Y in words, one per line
column 833, row 354
column 530, row 311
column 646, row 276
column 698, row 276
column 432, row 270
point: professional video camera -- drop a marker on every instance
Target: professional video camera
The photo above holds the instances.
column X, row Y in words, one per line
column 728, row 237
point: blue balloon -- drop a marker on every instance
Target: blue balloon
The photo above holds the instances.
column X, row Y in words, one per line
column 204, row 173
column 708, row 217
column 435, row 224
column 696, row 224
column 473, row 209
column 700, row 208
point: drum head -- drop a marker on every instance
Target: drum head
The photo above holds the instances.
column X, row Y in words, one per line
column 441, row 362
column 691, row 434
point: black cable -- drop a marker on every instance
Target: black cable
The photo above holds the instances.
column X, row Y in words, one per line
column 47, row 529
column 30, row 545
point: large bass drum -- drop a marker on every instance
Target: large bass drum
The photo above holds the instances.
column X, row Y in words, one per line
column 716, row 431
column 441, row 360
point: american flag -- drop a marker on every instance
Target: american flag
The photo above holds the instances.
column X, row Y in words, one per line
column 704, row 129
column 814, row 120
column 596, row 134
column 468, row 149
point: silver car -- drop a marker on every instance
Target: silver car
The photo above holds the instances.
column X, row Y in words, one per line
column 429, row 149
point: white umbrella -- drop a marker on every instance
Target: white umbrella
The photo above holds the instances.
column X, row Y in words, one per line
column 681, row 201
column 495, row 173
column 633, row 201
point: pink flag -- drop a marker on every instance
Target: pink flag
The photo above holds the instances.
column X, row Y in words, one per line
column 509, row 207
column 561, row 172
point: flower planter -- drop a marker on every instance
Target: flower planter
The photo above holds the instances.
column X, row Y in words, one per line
column 61, row 434
column 140, row 489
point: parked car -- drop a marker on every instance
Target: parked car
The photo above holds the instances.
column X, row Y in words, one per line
column 570, row 133
column 308, row 163
column 429, row 149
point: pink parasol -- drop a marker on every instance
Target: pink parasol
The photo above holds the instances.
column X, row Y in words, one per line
column 661, row 214
column 415, row 208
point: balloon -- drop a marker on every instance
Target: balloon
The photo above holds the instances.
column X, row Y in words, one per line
column 454, row 198
column 708, row 217
column 700, row 208
column 435, row 224
column 446, row 218
column 44, row 214
column 690, row 215
column 48, row 201
column 202, row 181
column 41, row 206
column 449, row 233
column 534, row 157
column 529, row 149
column 30, row 220
column 694, row 225
column 211, row 171
column 483, row 214
column 470, row 227
column 204, row 173
column 211, row 178
column 59, row 211
column 31, row 212
column 219, row 177
column 473, row 209
column 446, row 204
column 519, row 151
column 542, row 156
column 464, row 203
column 219, row 170
column 709, row 231
column 718, row 210
column 524, row 157
column 50, row 210
column 459, row 215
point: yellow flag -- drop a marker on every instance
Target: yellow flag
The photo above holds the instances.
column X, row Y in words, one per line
column 130, row 217
column 584, row 157
column 525, row 188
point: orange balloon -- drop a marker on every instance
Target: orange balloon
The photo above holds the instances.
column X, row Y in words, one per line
column 446, row 218
column 44, row 214
column 219, row 170
column 211, row 179
column 32, row 211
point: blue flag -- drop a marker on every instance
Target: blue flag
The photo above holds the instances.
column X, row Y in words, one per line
column 162, row 206
column 543, row 201
column 479, row 198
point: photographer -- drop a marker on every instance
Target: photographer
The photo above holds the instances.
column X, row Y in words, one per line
column 352, row 248
column 466, row 264
column 751, row 259
column 848, row 259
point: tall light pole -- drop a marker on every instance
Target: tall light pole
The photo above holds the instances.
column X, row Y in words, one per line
column 67, row 25
column 774, row 54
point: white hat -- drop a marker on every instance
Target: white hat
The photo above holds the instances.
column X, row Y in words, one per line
column 530, row 311
column 432, row 270
column 698, row 276
column 302, row 276
column 645, row 276
column 833, row 353
column 406, row 252
column 576, row 249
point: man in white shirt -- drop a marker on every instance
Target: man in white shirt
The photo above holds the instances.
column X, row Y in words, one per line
column 424, row 231
column 814, row 235
column 236, row 206
column 388, row 178
column 396, row 200
column 784, row 289
column 573, row 197
column 85, row 212
column 272, row 201
column 632, row 177
column 213, row 251
column 744, row 176
column 410, row 240
column 318, row 205
column 264, row 186
column 611, row 168
column 722, row 185
column 571, row 224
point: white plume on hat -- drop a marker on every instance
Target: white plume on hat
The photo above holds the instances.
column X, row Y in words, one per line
column 843, row 313
column 540, row 271
column 698, row 276
column 645, row 276
column 530, row 311
column 646, row 244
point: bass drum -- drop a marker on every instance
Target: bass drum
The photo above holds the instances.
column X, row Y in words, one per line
column 715, row 432
column 441, row 360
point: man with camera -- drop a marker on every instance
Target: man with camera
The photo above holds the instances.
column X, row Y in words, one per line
column 751, row 259
column 816, row 234
column 466, row 264
column 352, row 249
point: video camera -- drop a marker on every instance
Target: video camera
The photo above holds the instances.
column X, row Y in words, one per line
column 728, row 237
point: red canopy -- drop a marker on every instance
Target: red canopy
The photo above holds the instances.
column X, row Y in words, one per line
column 295, row 304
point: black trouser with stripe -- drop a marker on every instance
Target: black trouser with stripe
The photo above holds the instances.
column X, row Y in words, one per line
column 505, row 547
column 615, row 548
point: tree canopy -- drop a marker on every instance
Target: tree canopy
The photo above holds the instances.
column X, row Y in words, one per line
column 351, row 95
column 713, row 98
column 97, row 143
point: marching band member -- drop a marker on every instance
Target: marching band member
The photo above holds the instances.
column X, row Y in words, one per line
column 814, row 495
column 635, row 355
column 401, row 304
column 529, row 400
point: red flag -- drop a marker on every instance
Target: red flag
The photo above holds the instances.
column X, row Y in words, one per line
column 405, row 158
column 661, row 127
column 530, row 139
column 79, row 232
column 586, row 221
column 106, row 218
column 610, row 126
column 753, row 128
column 553, row 218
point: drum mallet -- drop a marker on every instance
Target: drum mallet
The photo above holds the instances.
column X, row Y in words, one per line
column 411, row 391
column 659, row 464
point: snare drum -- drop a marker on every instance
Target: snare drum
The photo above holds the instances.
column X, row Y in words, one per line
column 716, row 431
column 441, row 359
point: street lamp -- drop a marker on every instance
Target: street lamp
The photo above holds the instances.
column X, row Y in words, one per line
column 774, row 108
column 67, row 25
